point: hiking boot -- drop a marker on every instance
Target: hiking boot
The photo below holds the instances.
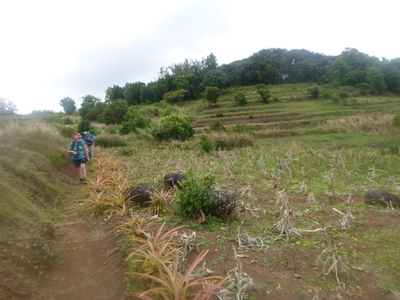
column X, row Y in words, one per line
column 84, row 181
column 81, row 180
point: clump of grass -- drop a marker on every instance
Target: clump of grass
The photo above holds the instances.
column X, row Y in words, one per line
column 230, row 140
column 110, row 140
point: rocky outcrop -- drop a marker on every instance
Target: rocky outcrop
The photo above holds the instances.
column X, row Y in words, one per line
column 382, row 198
column 225, row 203
column 173, row 179
column 140, row 193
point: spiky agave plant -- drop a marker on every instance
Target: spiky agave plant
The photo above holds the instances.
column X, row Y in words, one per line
column 170, row 284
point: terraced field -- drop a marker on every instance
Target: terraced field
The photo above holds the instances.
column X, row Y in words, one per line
column 291, row 112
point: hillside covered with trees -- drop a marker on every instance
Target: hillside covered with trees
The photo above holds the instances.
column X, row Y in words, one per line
column 187, row 80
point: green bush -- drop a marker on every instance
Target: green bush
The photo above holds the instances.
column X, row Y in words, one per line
column 68, row 121
column 219, row 115
column 396, row 120
column 265, row 95
column 241, row 98
column 195, row 194
column 394, row 149
column 314, row 92
column 172, row 128
column 84, row 125
column 216, row 125
column 205, row 143
column 66, row 131
column 240, row 128
column 133, row 124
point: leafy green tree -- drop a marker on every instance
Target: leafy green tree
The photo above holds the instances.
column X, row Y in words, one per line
column 7, row 107
column 146, row 95
column 189, row 83
column 339, row 70
column 265, row 95
column 68, row 105
column 376, row 81
column 113, row 93
column 175, row 96
column 131, row 92
column 216, row 78
column 393, row 80
column 114, row 112
column 88, row 104
column 241, row 99
column 212, row 94
column 210, row 62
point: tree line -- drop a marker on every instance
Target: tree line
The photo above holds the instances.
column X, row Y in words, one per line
column 187, row 80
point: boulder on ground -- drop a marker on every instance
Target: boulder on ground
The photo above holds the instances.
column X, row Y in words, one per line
column 225, row 203
column 382, row 198
column 173, row 179
column 140, row 193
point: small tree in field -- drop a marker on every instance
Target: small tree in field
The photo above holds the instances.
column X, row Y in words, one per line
column 68, row 105
column 265, row 95
column 241, row 99
column 212, row 94
column 314, row 92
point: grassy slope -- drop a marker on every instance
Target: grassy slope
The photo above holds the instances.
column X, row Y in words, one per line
column 33, row 189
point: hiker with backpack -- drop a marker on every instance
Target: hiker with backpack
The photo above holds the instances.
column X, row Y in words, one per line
column 80, row 155
column 89, row 140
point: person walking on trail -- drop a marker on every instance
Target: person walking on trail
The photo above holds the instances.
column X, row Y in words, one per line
column 80, row 155
column 89, row 140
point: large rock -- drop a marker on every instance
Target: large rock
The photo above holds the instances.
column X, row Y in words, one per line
column 140, row 193
column 382, row 198
column 225, row 203
column 173, row 179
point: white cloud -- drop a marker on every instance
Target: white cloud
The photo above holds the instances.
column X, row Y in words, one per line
column 51, row 50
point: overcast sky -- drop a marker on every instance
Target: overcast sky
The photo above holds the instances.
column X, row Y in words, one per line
column 51, row 49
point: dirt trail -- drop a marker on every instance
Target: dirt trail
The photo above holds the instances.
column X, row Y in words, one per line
column 87, row 264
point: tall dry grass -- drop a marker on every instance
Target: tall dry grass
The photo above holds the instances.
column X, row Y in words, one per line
column 380, row 123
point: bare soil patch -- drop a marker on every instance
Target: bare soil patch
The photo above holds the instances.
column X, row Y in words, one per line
column 288, row 270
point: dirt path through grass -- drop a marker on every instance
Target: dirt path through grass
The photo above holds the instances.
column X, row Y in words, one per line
column 87, row 264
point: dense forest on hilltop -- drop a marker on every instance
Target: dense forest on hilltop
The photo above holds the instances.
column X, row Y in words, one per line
column 187, row 80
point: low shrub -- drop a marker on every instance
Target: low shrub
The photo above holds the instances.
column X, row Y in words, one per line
column 240, row 128
column 195, row 194
column 205, row 143
column 172, row 128
column 241, row 99
column 396, row 120
column 216, row 125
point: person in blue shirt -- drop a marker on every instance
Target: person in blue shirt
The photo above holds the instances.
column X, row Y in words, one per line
column 89, row 140
column 80, row 155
